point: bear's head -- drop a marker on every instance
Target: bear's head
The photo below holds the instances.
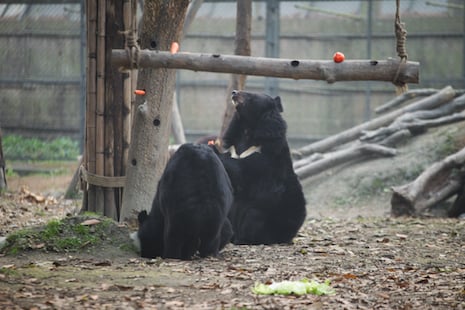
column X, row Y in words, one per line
column 257, row 121
column 251, row 106
column 148, row 240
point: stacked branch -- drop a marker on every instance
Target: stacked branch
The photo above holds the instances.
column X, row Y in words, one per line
column 379, row 136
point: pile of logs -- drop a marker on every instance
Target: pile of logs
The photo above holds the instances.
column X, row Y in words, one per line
column 401, row 118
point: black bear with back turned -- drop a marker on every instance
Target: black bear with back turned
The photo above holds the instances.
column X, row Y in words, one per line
column 190, row 208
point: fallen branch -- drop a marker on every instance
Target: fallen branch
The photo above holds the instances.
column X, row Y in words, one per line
column 328, row 70
column 419, row 125
column 307, row 160
column 343, row 156
column 396, row 138
column 439, row 182
column 431, row 102
column 405, row 97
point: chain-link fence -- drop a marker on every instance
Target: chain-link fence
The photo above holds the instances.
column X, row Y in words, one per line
column 42, row 63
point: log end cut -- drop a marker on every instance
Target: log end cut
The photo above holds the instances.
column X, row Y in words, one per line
column 401, row 206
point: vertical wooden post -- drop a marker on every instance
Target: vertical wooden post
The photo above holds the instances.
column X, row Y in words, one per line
column 129, row 85
column 88, row 203
column 100, row 104
column 242, row 47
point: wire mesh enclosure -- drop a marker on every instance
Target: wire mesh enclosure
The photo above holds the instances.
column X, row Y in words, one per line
column 43, row 66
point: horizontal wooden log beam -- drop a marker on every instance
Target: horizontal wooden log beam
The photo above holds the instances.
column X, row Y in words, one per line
column 326, row 70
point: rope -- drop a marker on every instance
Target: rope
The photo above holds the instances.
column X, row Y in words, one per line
column 132, row 48
column 401, row 39
column 99, row 180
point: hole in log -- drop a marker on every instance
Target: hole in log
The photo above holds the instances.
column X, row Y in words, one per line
column 156, row 122
column 373, row 62
column 216, row 55
column 153, row 44
column 134, row 162
column 295, row 63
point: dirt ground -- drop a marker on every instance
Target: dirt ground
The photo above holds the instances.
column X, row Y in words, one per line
column 372, row 260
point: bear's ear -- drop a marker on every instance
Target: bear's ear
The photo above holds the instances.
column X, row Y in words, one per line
column 278, row 104
column 142, row 216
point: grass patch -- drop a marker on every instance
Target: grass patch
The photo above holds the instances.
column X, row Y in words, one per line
column 21, row 148
column 449, row 146
column 63, row 236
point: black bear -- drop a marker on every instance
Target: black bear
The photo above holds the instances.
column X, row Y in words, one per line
column 269, row 205
column 190, row 208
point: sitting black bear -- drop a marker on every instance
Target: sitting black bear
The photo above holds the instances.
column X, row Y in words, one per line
column 269, row 205
column 189, row 211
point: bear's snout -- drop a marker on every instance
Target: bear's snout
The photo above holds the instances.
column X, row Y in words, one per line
column 236, row 97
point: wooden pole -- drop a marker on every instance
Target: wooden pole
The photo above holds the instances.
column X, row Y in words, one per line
column 129, row 85
column 242, row 43
column 88, row 203
column 349, row 70
column 176, row 121
column 106, row 111
column 100, row 105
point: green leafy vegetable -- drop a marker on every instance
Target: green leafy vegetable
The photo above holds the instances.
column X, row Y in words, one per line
column 301, row 287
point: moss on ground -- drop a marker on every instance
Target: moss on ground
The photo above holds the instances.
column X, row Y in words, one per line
column 71, row 234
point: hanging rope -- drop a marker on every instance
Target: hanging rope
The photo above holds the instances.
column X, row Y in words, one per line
column 401, row 39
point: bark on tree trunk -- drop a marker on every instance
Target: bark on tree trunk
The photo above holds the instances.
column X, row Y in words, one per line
column 439, row 182
column 162, row 23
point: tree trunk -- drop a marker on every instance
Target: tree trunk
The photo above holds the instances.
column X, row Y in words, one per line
column 439, row 182
column 242, row 42
column 162, row 23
